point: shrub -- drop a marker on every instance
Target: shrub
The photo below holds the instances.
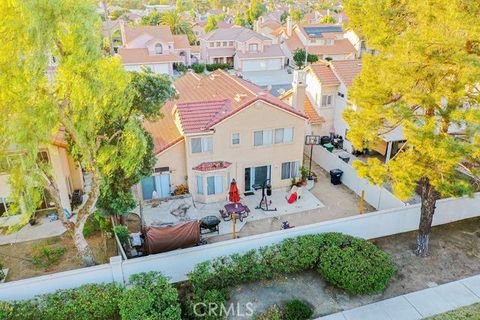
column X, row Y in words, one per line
column 91, row 226
column 181, row 67
column 45, row 256
column 297, row 310
column 198, row 67
column 214, row 66
column 149, row 296
column 122, row 233
column 272, row 313
column 207, row 304
column 357, row 266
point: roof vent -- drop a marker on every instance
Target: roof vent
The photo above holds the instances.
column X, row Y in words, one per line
column 239, row 96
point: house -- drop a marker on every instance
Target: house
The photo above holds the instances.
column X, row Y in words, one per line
column 326, row 93
column 221, row 128
column 242, row 48
column 326, row 41
column 198, row 28
column 66, row 172
column 153, row 47
column 149, row 8
column 266, row 25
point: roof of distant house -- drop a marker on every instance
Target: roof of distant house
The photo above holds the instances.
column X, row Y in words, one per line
column 319, row 30
column 161, row 33
column 324, row 73
column 341, row 46
column 273, row 50
column 347, row 70
column 203, row 102
column 141, row 55
column 310, row 111
column 272, row 24
column 238, row 33
column 180, row 41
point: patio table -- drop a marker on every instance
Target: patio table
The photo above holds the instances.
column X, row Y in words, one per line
column 240, row 210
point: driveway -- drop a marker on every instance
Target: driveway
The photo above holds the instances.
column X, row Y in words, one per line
column 265, row 78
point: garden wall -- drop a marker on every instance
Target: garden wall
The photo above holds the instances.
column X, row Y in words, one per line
column 177, row 264
column 378, row 197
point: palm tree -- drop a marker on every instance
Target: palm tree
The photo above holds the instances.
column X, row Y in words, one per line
column 177, row 24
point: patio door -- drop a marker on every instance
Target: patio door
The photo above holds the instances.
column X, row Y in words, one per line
column 256, row 175
column 160, row 184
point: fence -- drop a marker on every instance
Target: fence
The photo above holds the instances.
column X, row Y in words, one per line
column 378, row 197
column 176, row 264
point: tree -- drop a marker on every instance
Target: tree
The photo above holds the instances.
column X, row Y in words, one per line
column 283, row 17
column 328, row 20
column 115, row 14
column 175, row 21
column 151, row 19
column 255, row 10
column 239, row 20
column 201, row 6
column 425, row 79
column 149, row 92
column 297, row 15
column 89, row 96
column 299, row 57
column 211, row 24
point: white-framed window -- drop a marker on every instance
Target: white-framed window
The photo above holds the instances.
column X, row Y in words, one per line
column 202, row 144
column 214, row 185
column 212, row 44
column 283, row 135
column 327, row 100
column 158, row 48
column 253, row 47
column 199, row 185
column 263, row 137
column 235, row 138
column 230, row 43
column 290, row 170
column 329, row 42
column 218, row 44
column 224, row 43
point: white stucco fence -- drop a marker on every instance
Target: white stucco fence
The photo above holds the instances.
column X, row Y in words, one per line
column 378, row 197
column 177, row 264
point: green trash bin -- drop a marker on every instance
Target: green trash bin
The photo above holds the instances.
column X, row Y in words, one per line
column 328, row 146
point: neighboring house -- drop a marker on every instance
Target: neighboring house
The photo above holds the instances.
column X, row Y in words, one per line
column 222, row 128
column 327, row 84
column 199, row 28
column 66, row 172
column 325, row 41
column 266, row 25
column 242, row 48
column 149, row 8
column 153, row 47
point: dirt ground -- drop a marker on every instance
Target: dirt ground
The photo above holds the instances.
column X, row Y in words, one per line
column 17, row 257
column 454, row 255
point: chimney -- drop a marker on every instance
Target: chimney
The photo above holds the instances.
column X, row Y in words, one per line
column 289, row 26
column 299, row 86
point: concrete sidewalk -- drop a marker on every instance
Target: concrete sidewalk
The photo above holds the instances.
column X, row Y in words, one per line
column 417, row 305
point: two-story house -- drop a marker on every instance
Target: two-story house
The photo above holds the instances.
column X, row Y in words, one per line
column 222, row 128
column 329, row 42
column 65, row 170
column 242, row 48
column 153, row 47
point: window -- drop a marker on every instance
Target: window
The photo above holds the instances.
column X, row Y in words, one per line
column 253, row 47
column 199, row 185
column 289, row 170
column 263, row 137
column 214, row 185
column 212, row 44
column 218, row 43
column 202, row 145
column 283, row 135
column 230, row 43
column 329, row 42
column 224, row 43
column 235, row 138
column 327, row 100
column 158, row 48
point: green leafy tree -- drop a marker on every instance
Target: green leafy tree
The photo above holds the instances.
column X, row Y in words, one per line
column 201, row 6
column 240, row 20
column 151, row 19
column 425, row 79
column 284, row 16
column 299, row 57
column 297, row 15
column 115, row 14
column 255, row 10
column 89, row 95
column 328, row 20
column 211, row 24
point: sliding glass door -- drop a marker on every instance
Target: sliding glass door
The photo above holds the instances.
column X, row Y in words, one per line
column 256, row 176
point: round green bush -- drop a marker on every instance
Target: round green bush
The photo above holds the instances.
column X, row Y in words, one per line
column 272, row 313
column 198, row 67
column 297, row 310
column 356, row 265
column 150, row 296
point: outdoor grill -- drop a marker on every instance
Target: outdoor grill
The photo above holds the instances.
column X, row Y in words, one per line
column 209, row 224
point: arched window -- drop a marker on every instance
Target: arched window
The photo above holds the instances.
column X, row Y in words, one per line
column 158, row 48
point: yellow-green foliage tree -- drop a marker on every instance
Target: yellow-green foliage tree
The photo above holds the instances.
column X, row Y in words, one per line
column 424, row 77
column 88, row 97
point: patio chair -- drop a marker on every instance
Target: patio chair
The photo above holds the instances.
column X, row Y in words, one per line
column 247, row 211
column 225, row 215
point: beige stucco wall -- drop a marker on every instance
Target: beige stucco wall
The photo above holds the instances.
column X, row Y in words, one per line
column 259, row 116
column 174, row 158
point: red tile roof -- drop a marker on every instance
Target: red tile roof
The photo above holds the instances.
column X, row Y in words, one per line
column 324, row 73
column 210, row 166
column 219, row 94
column 180, row 41
column 141, row 55
column 347, row 70
column 161, row 33
column 310, row 111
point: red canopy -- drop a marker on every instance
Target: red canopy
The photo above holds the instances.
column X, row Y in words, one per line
column 233, row 194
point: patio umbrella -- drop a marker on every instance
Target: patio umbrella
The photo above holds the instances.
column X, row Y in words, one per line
column 233, row 194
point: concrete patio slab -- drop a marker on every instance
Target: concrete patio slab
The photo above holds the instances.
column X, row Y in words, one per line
column 429, row 302
column 43, row 229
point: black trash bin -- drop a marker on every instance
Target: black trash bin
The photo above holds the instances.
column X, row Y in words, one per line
column 336, row 176
column 344, row 157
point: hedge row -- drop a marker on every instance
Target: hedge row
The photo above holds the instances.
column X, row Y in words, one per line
column 148, row 296
column 350, row 263
column 200, row 68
